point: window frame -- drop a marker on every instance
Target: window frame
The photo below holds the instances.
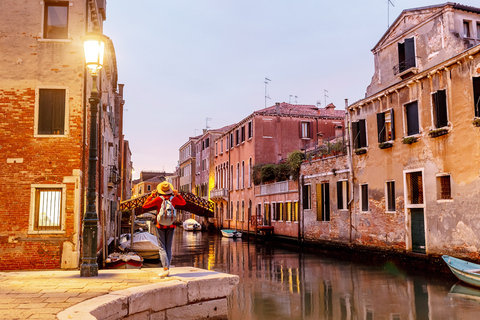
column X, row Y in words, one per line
column 440, row 109
column 33, row 208
column 306, row 130
column 382, row 126
column 410, row 126
column 323, row 201
column 466, row 29
column 406, row 55
column 476, row 96
column 44, row 31
column 364, row 205
column 440, row 187
column 306, row 197
column 359, row 134
column 342, row 194
column 390, row 198
column 66, row 123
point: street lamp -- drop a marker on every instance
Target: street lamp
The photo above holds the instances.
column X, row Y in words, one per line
column 94, row 49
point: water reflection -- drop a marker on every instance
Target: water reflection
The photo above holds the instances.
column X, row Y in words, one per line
column 276, row 283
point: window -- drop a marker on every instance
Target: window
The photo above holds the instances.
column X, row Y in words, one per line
column 242, row 135
column 243, row 174
column 238, row 176
column 47, row 209
column 342, row 194
column 55, row 25
column 250, row 129
column 364, row 197
column 52, row 108
column 466, row 29
column 231, row 141
column 385, row 126
column 359, row 132
column 207, row 143
column 149, row 187
column 411, row 114
column 289, row 211
column 250, row 172
column 478, row 30
column 295, row 211
column 476, row 95
column 323, row 201
column 444, row 191
column 237, row 137
column 305, row 130
column 390, row 196
column 439, row 102
column 414, row 188
column 306, row 197
column 238, row 211
column 406, row 55
column 242, row 217
column 279, row 211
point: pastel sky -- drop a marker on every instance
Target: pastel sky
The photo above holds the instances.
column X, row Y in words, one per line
column 183, row 61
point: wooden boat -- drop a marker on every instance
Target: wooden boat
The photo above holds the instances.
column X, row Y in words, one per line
column 468, row 272
column 191, row 225
column 228, row 233
column 128, row 260
column 464, row 292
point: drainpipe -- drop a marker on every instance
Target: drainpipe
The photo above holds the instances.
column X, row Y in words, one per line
column 350, row 170
column 301, row 182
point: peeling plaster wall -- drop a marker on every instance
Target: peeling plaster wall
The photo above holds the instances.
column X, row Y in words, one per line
column 451, row 225
column 438, row 34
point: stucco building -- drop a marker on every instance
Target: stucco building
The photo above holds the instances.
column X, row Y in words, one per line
column 415, row 136
column 266, row 136
column 45, row 116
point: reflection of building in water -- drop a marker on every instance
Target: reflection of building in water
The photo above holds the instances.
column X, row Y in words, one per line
column 280, row 284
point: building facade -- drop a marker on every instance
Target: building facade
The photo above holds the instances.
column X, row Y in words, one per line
column 267, row 136
column 187, row 165
column 415, row 136
column 44, row 90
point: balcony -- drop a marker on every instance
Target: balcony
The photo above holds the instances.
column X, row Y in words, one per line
column 275, row 188
column 406, row 68
column 219, row 194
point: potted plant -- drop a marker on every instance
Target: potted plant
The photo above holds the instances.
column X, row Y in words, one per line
column 437, row 132
column 360, row 151
column 409, row 140
column 385, row 145
column 476, row 122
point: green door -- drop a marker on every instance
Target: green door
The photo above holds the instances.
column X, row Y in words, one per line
column 418, row 230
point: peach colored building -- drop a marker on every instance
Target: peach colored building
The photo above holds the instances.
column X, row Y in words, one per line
column 267, row 136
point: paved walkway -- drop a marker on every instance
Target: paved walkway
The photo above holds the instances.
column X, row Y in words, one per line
column 43, row 294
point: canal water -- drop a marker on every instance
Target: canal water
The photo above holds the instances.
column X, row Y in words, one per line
column 288, row 283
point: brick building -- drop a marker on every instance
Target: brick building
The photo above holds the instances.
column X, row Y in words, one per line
column 416, row 136
column 44, row 111
column 267, row 136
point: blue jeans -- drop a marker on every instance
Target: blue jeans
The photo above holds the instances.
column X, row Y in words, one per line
column 165, row 239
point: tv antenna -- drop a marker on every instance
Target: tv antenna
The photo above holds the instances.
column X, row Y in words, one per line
column 266, row 95
column 325, row 96
column 389, row 2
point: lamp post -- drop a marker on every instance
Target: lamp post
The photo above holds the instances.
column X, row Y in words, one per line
column 94, row 50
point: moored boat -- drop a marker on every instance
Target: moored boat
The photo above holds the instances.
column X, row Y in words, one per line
column 467, row 272
column 144, row 243
column 128, row 260
column 228, row 233
column 192, row 225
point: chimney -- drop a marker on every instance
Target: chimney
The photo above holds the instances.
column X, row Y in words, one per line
column 277, row 107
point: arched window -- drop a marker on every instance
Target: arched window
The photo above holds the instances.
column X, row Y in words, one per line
column 243, row 174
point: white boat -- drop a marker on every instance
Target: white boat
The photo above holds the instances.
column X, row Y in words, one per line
column 191, row 225
column 144, row 243
column 128, row 260
column 228, row 233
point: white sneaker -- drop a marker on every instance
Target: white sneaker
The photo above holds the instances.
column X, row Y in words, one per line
column 164, row 274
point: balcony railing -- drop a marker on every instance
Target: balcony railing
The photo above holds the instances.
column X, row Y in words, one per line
column 274, row 188
column 219, row 194
column 404, row 66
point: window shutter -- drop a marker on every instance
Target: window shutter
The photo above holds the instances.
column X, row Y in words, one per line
column 51, row 115
column 440, row 103
column 409, row 53
column 476, row 95
column 412, row 119
column 319, row 190
column 362, row 127
column 305, row 197
column 310, row 130
column 326, row 201
column 340, row 195
column 355, row 135
column 392, row 124
column 401, row 57
column 381, row 127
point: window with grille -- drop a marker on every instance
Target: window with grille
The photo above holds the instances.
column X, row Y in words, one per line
column 444, row 191
column 364, row 197
column 55, row 25
column 390, row 195
column 415, row 188
column 48, row 209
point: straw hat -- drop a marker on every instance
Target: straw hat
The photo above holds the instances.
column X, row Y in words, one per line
column 165, row 188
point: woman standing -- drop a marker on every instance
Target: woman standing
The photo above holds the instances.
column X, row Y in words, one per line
column 164, row 192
